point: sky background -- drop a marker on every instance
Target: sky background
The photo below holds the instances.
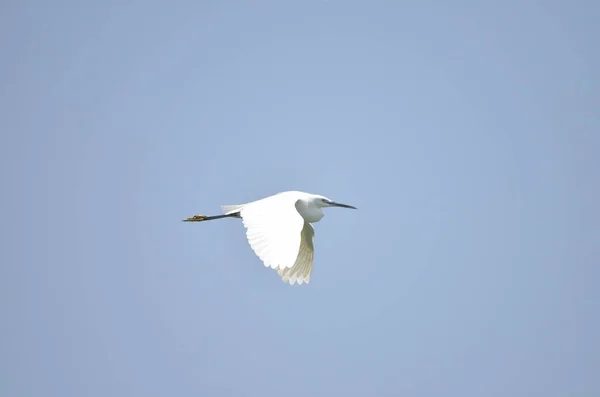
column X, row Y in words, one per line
column 466, row 133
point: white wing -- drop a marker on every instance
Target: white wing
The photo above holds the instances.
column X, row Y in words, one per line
column 274, row 230
column 302, row 268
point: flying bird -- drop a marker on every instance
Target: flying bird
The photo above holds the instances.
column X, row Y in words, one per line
column 279, row 230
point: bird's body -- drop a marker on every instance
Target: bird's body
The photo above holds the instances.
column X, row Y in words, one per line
column 279, row 230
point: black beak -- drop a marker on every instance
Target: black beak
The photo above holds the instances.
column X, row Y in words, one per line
column 334, row 204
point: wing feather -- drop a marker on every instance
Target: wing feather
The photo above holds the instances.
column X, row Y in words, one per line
column 302, row 268
column 273, row 229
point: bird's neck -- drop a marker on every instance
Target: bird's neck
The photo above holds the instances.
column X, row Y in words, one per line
column 310, row 212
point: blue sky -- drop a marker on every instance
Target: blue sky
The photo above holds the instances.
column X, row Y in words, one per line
column 466, row 134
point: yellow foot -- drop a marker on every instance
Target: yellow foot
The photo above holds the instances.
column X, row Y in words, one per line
column 195, row 218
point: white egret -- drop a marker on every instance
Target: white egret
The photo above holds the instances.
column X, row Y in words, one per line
column 279, row 230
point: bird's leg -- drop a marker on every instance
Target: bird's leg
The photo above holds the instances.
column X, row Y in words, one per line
column 200, row 218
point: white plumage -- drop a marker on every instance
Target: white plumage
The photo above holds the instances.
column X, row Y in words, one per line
column 279, row 230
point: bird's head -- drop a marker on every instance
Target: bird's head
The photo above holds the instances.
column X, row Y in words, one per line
column 322, row 202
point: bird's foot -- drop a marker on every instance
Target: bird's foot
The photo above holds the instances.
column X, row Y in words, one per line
column 195, row 218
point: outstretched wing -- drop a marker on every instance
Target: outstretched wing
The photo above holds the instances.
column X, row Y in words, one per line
column 302, row 268
column 274, row 230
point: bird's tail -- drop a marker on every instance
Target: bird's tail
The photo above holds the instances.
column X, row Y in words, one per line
column 231, row 209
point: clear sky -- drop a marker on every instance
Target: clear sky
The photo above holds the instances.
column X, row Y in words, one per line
column 466, row 133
